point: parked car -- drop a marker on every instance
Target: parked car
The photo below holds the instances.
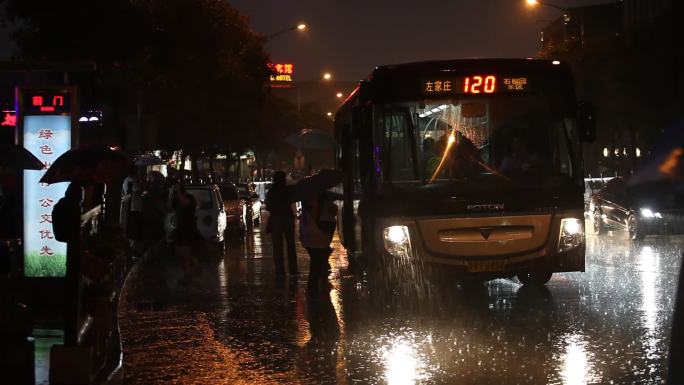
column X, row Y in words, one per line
column 591, row 187
column 252, row 206
column 210, row 212
column 235, row 209
column 647, row 211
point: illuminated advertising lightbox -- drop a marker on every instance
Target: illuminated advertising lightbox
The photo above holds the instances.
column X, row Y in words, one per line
column 47, row 137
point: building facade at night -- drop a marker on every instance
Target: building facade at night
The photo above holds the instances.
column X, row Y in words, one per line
column 610, row 47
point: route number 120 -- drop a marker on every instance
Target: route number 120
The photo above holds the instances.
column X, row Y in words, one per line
column 479, row 84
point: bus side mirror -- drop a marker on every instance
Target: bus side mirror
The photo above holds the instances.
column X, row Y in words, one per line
column 586, row 121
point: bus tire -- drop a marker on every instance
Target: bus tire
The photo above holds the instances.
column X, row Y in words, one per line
column 534, row 278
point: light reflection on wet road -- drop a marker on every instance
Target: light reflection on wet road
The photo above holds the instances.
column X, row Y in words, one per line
column 238, row 324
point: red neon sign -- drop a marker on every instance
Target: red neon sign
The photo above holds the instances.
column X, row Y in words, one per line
column 281, row 74
column 9, row 118
column 282, row 68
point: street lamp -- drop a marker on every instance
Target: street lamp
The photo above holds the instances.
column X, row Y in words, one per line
column 339, row 95
column 327, row 76
column 298, row 27
column 534, row 3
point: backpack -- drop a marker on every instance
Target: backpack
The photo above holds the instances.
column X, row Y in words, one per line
column 65, row 221
column 326, row 220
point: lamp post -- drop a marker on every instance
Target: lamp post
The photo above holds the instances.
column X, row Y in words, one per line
column 298, row 27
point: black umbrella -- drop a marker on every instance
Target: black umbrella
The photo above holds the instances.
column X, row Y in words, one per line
column 88, row 164
column 18, row 157
column 311, row 139
column 147, row 160
column 317, row 183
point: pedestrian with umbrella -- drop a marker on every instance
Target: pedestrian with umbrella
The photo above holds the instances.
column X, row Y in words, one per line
column 316, row 229
column 317, row 222
column 85, row 166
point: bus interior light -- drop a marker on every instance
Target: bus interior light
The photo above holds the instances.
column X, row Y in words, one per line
column 435, row 110
column 443, row 107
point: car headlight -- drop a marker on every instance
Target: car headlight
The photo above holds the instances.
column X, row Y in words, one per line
column 397, row 241
column 649, row 214
column 571, row 234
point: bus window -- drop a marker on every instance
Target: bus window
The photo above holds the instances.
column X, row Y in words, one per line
column 515, row 140
column 397, row 148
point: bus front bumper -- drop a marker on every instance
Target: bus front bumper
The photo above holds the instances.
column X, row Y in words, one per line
column 547, row 255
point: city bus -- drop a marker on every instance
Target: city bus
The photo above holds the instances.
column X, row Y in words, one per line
column 470, row 168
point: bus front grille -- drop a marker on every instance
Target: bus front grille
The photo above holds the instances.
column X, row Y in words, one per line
column 484, row 236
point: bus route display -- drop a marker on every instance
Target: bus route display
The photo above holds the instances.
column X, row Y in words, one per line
column 475, row 84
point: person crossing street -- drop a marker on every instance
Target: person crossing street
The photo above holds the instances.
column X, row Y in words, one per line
column 281, row 224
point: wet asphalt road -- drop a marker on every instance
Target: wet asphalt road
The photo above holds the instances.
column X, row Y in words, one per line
column 238, row 324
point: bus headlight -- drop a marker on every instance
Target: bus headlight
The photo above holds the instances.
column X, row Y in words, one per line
column 571, row 234
column 397, row 241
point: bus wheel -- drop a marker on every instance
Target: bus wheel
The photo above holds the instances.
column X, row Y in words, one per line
column 534, row 278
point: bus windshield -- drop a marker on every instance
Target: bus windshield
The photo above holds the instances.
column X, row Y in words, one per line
column 517, row 139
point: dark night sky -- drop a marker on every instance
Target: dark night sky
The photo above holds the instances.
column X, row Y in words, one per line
column 350, row 37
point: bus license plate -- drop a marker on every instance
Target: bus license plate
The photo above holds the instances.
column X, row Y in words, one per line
column 486, row 266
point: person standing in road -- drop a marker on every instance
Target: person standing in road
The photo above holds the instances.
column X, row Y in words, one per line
column 186, row 235
column 316, row 229
column 281, row 224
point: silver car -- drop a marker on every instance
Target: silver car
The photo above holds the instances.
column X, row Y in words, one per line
column 210, row 213
column 252, row 204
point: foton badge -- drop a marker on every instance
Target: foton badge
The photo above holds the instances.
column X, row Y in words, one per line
column 486, row 207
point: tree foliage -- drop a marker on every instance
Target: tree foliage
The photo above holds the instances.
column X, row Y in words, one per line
column 193, row 65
